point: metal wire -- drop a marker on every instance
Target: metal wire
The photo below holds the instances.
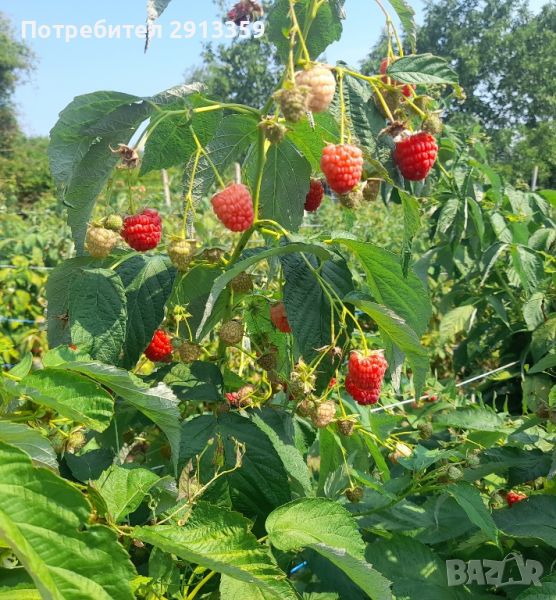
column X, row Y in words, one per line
column 458, row 385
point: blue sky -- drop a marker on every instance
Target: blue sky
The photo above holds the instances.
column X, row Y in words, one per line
column 66, row 70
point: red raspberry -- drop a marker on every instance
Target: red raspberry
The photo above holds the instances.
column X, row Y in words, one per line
column 160, row 349
column 361, row 396
column 279, row 318
column 314, row 196
column 143, row 231
column 234, row 207
column 415, row 155
column 406, row 89
column 342, row 166
column 513, row 497
column 367, row 372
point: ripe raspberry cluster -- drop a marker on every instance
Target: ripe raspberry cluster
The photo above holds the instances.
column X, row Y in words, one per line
column 143, row 231
column 314, row 196
column 365, row 375
column 245, row 10
column 160, row 348
column 234, row 207
column 342, row 165
column 415, row 155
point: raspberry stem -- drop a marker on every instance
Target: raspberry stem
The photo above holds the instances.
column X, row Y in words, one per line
column 261, row 160
column 209, row 160
column 299, row 32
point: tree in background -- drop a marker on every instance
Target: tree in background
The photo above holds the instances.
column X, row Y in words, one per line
column 15, row 61
column 24, row 172
column 245, row 71
column 504, row 56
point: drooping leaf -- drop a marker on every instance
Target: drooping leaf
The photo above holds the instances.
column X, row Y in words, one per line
column 326, row 527
column 285, row 184
column 72, row 396
column 30, row 441
column 261, row 483
column 221, row 540
column 67, row 558
column 159, row 403
column 533, row 518
column 278, row 426
column 81, row 158
column 148, row 283
column 171, row 141
column 469, row 498
column 405, row 296
column 123, row 489
column 57, row 294
column 406, row 15
column 326, row 27
column 422, row 68
column 411, row 224
column 231, row 140
column 98, row 313
column 310, row 314
column 456, row 321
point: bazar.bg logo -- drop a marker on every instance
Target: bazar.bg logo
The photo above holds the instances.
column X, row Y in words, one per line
column 513, row 570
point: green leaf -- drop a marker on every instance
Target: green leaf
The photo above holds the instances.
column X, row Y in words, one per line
column 148, row 283
column 330, row 530
column 67, row 558
column 220, row 540
column 159, row 403
column 548, row 362
column 358, row 570
column 97, row 313
column 406, row 15
column 422, row 68
column 171, row 141
column 310, row 314
column 533, row 518
column 221, row 282
column 422, row 457
column 192, row 289
column 543, row 337
column 406, row 296
column 456, row 321
column 477, row 419
column 415, row 571
column 470, row 499
column 362, row 115
column 529, row 267
column 72, row 396
column 285, row 184
column 278, row 426
column 123, row 489
column 154, row 9
column 411, row 224
column 310, row 521
column 80, row 151
column 547, row 590
column 30, row 441
column 261, row 483
column 396, row 331
column 232, row 589
column 57, row 295
column 231, row 140
column 311, row 142
column 326, row 27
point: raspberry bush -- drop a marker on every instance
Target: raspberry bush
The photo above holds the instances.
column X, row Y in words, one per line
column 218, row 414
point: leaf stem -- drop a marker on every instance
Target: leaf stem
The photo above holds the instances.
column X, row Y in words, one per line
column 201, row 583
